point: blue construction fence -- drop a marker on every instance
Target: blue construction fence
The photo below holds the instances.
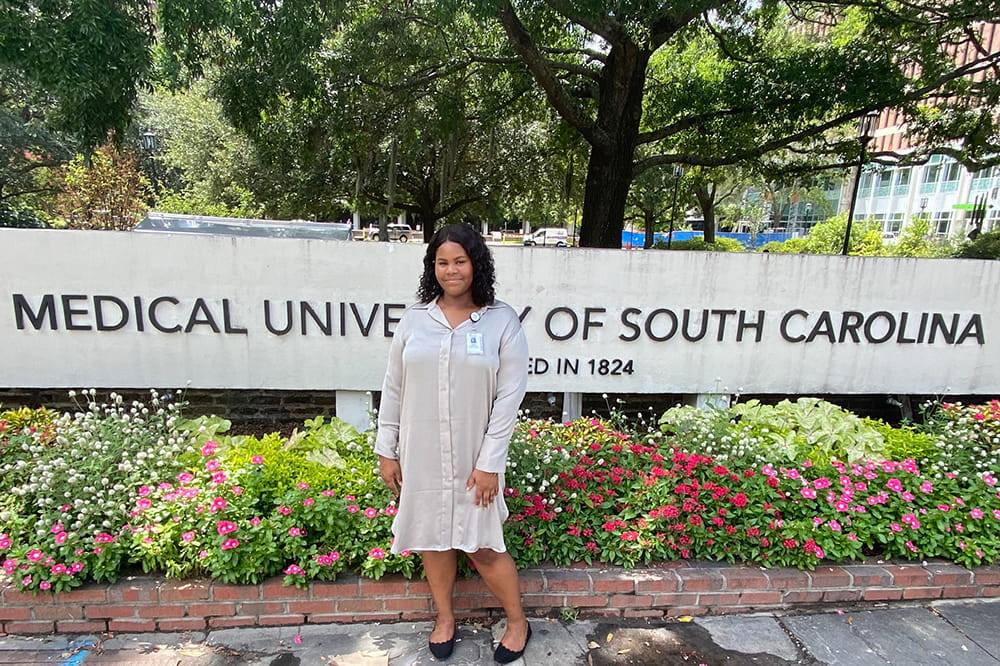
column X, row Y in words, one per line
column 749, row 241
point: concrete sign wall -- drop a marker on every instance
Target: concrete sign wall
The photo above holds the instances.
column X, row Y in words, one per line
column 124, row 310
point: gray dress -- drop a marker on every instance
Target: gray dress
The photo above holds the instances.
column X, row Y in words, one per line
column 449, row 405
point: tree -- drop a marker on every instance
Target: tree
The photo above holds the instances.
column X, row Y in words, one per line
column 108, row 193
column 780, row 79
column 90, row 57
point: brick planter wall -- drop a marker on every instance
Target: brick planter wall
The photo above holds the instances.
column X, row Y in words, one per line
column 147, row 603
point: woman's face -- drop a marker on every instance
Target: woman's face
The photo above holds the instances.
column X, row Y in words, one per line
column 453, row 269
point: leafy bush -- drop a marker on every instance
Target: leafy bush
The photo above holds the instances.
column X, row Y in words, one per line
column 986, row 246
column 20, row 217
column 789, row 484
column 721, row 244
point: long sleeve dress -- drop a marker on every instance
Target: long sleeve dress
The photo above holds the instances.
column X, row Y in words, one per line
column 449, row 405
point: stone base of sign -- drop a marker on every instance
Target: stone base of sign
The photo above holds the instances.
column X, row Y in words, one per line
column 148, row 603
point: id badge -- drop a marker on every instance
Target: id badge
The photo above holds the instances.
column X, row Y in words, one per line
column 474, row 344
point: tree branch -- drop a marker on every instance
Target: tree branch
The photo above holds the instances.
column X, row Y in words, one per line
column 558, row 96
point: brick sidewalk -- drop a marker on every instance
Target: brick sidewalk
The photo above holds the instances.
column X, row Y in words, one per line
column 147, row 603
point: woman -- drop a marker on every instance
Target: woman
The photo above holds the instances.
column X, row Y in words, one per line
column 456, row 376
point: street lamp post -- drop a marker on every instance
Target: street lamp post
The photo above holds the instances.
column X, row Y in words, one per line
column 678, row 174
column 865, row 130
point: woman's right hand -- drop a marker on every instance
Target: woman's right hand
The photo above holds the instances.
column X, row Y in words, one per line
column 391, row 472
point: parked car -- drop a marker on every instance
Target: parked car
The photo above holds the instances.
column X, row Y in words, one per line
column 397, row 232
column 558, row 236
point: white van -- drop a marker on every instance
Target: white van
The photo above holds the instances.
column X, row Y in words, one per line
column 558, row 236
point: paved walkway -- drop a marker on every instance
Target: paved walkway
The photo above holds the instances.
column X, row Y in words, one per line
column 944, row 633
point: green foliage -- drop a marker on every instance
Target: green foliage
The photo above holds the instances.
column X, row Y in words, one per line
column 20, row 217
column 26, row 417
column 721, row 244
column 985, row 246
column 791, row 484
column 917, row 240
column 807, row 429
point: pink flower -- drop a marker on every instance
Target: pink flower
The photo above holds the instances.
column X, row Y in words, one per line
column 56, row 528
column 219, row 478
column 255, row 521
column 989, row 480
column 834, row 525
column 976, row 513
column 841, row 505
column 808, row 492
column 202, row 554
column 390, row 510
column 59, row 568
column 376, row 554
column 821, row 483
column 188, row 536
column 144, row 490
column 76, row 567
column 45, row 585
column 209, row 448
column 144, row 504
column 329, row 493
column 907, row 496
column 225, row 527
column 185, row 477
column 4, row 542
column 284, row 510
column 61, row 538
column 103, row 538
column 334, row 556
column 237, row 490
column 294, row 531
column 219, row 503
column 309, row 501
column 302, row 486
column 257, row 460
column 212, row 465
column 371, row 512
column 229, row 544
column 294, row 570
column 297, row 639
column 926, row 487
column 896, row 527
column 894, row 484
column 353, row 508
column 35, row 555
column 26, row 581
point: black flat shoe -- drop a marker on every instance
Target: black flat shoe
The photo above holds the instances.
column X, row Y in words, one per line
column 505, row 655
column 443, row 650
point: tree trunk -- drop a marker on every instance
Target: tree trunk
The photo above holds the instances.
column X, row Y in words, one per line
column 706, row 201
column 649, row 220
column 609, row 170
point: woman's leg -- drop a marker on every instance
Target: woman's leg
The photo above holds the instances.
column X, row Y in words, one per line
column 500, row 575
column 441, row 568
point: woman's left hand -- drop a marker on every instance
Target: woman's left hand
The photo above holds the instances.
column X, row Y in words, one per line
column 486, row 485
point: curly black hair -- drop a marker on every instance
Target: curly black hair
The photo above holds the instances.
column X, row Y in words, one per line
column 483, row 274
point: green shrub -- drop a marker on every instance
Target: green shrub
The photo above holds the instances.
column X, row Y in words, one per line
column 721, row 244
column 986, row 246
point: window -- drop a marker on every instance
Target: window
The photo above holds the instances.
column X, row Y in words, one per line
column 901, row 185
column 942, row 223
column 951, row 172
column 882, row 183
column 865, row 188
column 932, row 174
column 894, row 224
column 985, row 179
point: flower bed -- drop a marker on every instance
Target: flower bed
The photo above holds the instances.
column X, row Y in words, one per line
column 84, row 496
